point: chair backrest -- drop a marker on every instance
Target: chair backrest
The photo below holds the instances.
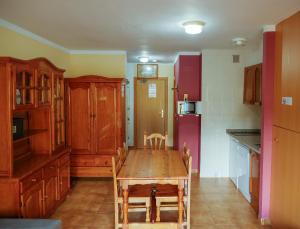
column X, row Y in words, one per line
column 155, row 141
column 122, row 153
column 116, row 166
column 187, row 160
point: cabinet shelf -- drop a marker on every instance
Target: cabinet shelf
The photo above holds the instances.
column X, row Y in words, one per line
column 30, row 133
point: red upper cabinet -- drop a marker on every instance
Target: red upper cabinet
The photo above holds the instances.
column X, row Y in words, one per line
column 187, row 77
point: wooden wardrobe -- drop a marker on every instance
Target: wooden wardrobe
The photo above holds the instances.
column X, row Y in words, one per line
column 95, row 123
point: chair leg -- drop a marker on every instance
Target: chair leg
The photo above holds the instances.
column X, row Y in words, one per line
column 147, row 211
column 157, row 211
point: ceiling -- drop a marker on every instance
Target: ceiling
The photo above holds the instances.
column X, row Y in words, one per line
column 146, row 27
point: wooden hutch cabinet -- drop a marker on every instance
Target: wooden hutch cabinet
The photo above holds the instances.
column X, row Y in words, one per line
column 34, row 161
column 95, row 125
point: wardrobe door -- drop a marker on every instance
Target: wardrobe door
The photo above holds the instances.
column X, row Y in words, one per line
column 108, row 119
column 80, row 118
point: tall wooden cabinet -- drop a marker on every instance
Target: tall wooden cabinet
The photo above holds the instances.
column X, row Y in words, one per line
column 95, row 125
column 31, row 164
column 285, row 185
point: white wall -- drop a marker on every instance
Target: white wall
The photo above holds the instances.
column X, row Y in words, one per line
column 223, row 108
column 164, row 70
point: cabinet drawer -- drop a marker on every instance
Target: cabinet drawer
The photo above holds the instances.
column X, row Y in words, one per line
column 91, row 160
column 64, row 159
column 51, row 169
column 31, row 180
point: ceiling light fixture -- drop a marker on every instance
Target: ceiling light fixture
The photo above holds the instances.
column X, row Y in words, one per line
column 193, row 27
column 143, row 59
column 154, row 61
column 239, row 41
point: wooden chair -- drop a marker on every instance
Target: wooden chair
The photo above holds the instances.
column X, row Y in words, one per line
column 122, row 153
column 155, row 140
column 139, row 195
column 167, row 195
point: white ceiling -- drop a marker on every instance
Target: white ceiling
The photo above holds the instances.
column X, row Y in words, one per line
column 149, row 27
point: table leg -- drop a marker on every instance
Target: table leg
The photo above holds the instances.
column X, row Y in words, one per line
column 180, row 205
column 125, row 205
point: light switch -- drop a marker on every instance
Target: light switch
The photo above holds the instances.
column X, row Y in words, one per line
column 287, row 101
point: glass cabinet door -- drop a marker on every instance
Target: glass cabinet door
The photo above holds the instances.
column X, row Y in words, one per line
column 58, row 105
column 24, row 84
column 43, row 89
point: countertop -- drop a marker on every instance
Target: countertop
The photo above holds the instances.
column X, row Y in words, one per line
column 247, row 137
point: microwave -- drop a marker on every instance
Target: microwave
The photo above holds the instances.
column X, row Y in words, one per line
column 189, row 107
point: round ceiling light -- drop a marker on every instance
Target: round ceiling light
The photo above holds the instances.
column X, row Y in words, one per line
column 143, row 59
column 193, row 27
column 239, row 41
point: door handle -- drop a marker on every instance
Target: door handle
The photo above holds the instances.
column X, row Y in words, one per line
column 162, row 113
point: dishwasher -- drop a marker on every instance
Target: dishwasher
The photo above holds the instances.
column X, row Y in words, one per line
column 243, row 173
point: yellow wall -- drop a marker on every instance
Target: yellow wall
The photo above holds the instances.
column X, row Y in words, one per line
column 105, row 65
column 21, row 46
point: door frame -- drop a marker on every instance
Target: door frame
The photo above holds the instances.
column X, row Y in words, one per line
column 135, row 105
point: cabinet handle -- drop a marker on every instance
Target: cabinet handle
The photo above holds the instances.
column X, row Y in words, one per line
column 33, row 179
column 52, row 167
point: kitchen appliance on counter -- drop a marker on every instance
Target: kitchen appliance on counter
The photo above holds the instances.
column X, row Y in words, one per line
column 189, row 107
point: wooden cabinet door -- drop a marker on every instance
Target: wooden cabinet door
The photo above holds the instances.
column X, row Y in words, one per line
column 255, row 180
column 80, row 118
column 43, row 88
column 64, row 180
column 249, row 85
column 32, row 202
column 287, row 74
column 24, row 86
column 108, row 120
column 58, row 119
column 285, row 185
column 51, row 194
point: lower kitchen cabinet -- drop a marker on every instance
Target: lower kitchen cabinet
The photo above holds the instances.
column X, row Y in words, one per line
column 32, row 202
column 254, row 180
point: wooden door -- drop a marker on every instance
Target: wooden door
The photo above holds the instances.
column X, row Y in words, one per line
column 108, row 120
column 64, row 180
column 32, row 202
column 285, row 185
column 80, row 118
column 287, row 72
column 151, row 113
column 51, row 197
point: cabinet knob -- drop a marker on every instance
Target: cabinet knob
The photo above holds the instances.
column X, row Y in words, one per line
column 33, row 180
column 276, row 140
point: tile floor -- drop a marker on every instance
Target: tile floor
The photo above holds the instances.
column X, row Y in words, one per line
column 215, row 204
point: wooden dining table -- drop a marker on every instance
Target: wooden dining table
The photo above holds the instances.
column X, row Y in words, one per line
column 146, row 166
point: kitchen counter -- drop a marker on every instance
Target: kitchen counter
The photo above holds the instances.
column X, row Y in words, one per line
column 248, row 137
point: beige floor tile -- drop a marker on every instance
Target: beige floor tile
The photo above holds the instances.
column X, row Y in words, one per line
column 215, row 204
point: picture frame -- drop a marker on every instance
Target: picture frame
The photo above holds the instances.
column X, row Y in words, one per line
column 147, row 71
